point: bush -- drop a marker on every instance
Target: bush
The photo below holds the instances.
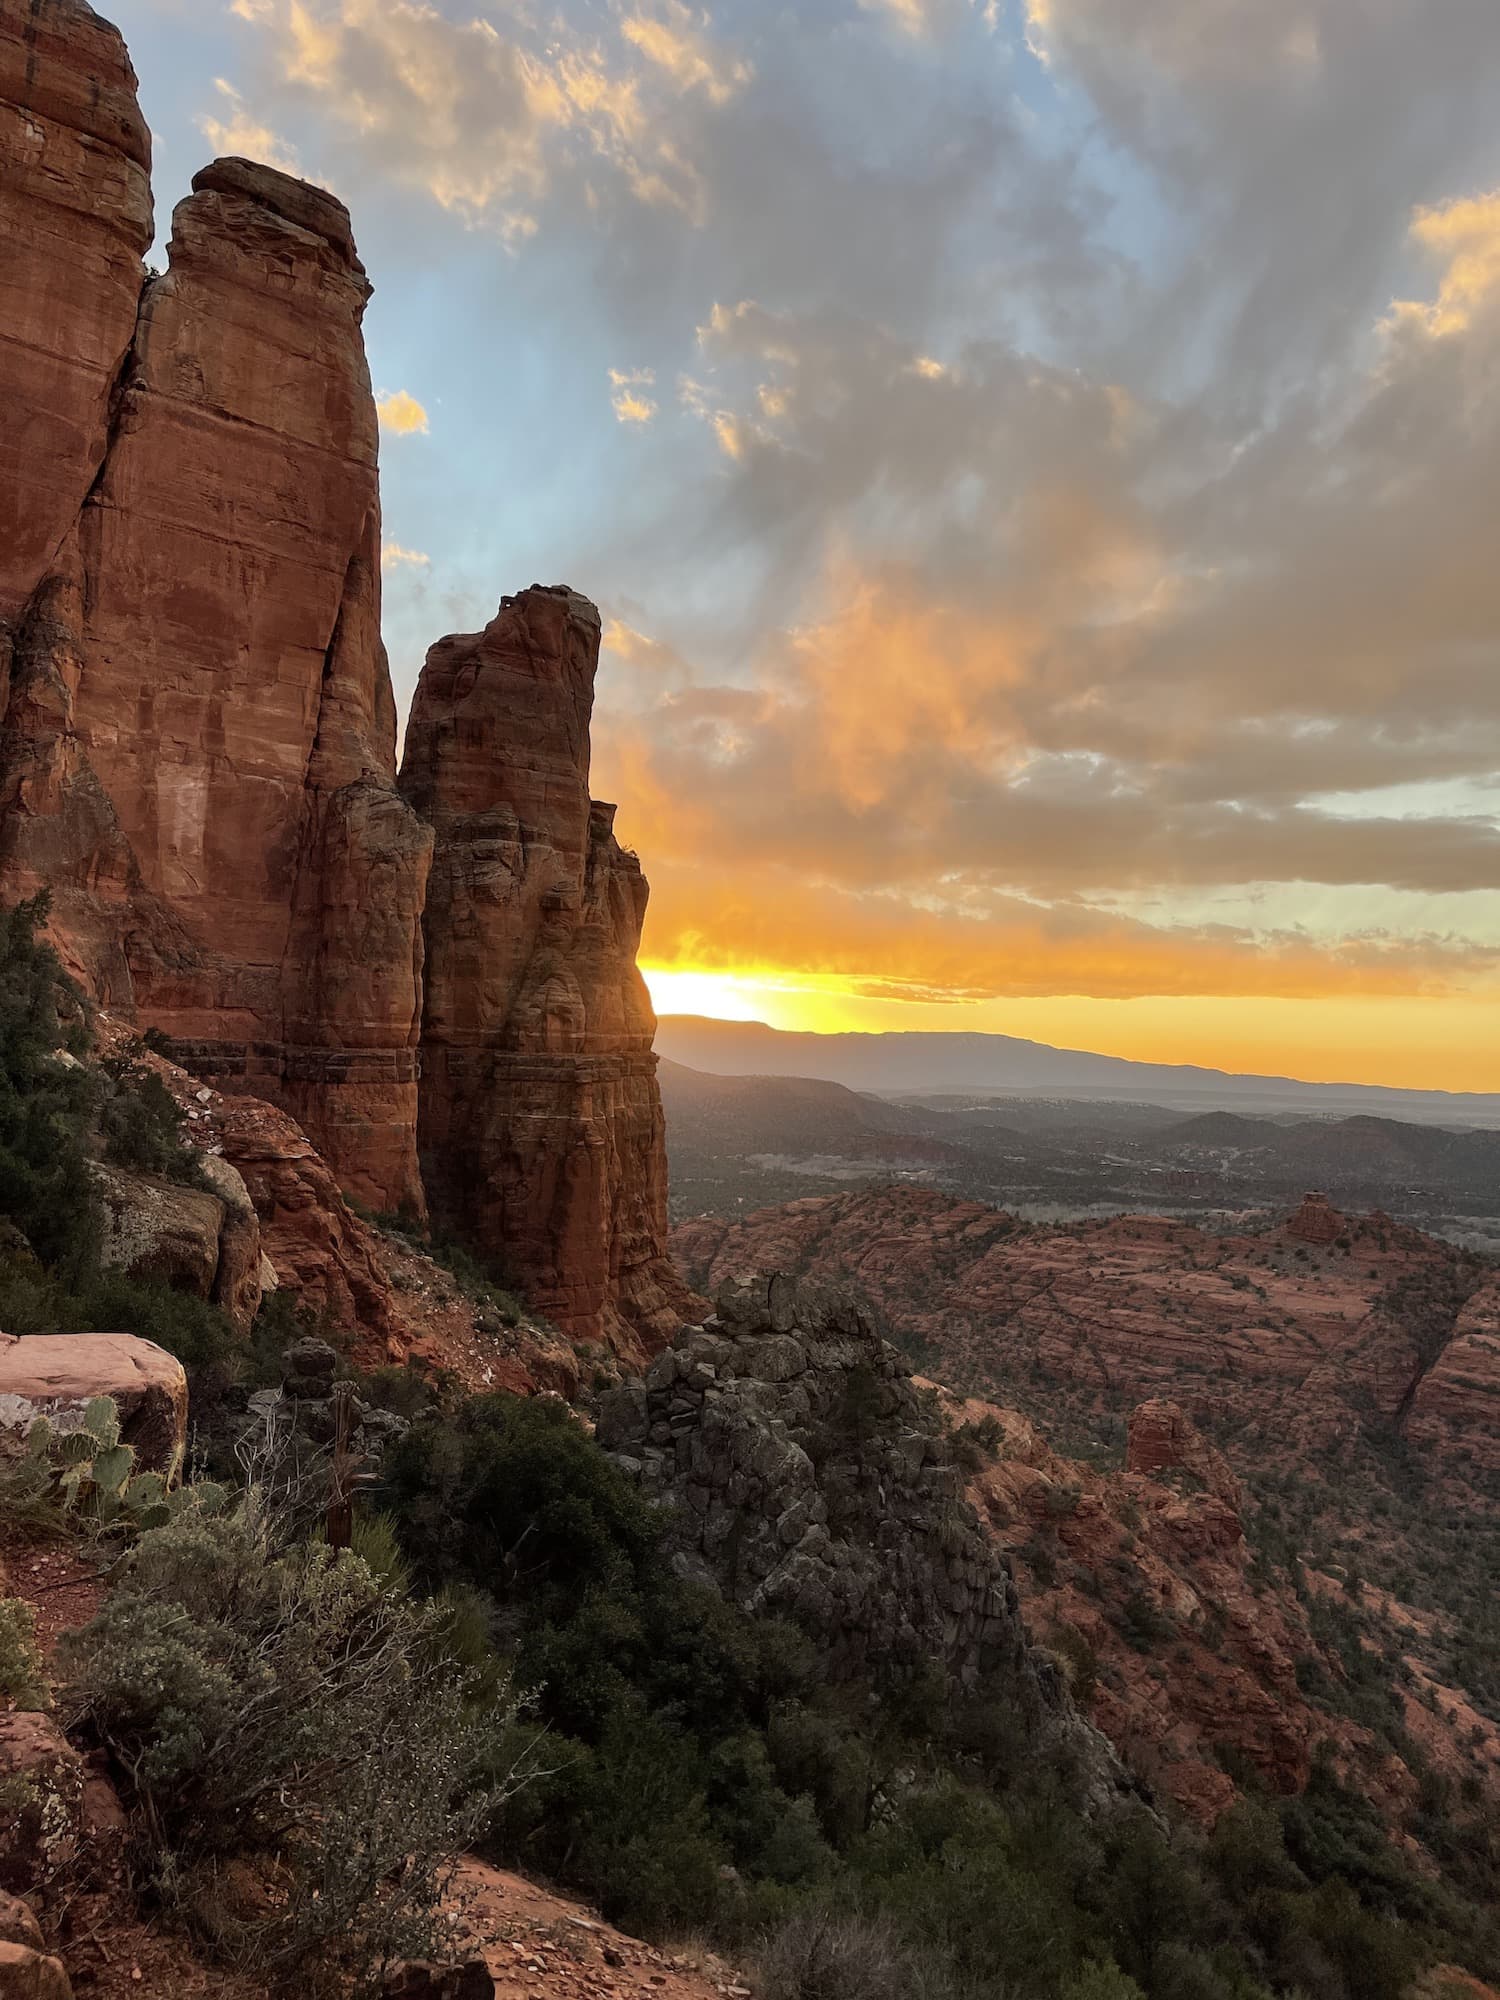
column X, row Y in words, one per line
column 271, row 1705
column 975, row 1445
column 45, row 1103
column 23, row 1683
column 140, row 1127
column 822, row 1955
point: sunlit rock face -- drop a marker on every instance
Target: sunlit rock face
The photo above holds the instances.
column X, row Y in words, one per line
column 198, row 758
column 199, row 752
column 542, row 1136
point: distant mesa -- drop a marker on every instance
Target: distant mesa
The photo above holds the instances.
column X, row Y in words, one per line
column 1317, row 1221
column 931, row 1063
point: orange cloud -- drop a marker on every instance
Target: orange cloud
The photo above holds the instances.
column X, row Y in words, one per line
column 401, row 414
column 759, row 920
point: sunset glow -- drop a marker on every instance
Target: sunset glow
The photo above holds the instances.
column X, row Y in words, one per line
column 1043, row 518
column 1415, row 1044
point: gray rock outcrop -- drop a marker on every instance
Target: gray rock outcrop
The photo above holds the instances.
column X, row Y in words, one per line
column 811, row 1479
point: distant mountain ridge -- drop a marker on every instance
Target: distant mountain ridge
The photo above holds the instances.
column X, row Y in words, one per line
column 915, row 1063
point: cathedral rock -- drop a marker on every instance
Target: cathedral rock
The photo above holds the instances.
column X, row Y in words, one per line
column 198, row 756
column 541, row 1122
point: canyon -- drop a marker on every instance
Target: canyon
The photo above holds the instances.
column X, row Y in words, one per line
column 1124, row 1482
column 199, row 761
column 1194, row 1448
column 1286, row 1333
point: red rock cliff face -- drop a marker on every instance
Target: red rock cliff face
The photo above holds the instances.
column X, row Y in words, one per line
column 75, row 220
column 541, row 1122
column 200, row 735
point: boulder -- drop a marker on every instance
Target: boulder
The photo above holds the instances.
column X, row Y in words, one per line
column 206, row 1243
column 27, row 1974
column 56, row 1375
column 240, row 1283
column 42, row 1781
column 542, row 1135
column 18, row 1924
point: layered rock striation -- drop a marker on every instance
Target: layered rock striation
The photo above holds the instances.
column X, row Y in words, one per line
column 1296, row 1340
column 199, row 730
column 542, row 1137
column 75, row 220
column 198, row 753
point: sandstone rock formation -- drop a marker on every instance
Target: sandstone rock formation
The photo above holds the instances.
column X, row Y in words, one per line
column 1299, row 1344
column 75, row 218
column 1104, row 1560
column 1316, row 1221
column 1163, row 1438
column 315, row 1243
column 1455, row 1408
column 57, row 1375
column 542, row 1137
column 197, row 758
column 200, row 732
column 196, row 1241
column 810, row 1480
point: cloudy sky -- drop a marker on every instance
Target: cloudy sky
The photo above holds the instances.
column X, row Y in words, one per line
column 1039, row 462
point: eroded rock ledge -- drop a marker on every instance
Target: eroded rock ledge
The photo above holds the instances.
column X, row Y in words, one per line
column 812, row 1479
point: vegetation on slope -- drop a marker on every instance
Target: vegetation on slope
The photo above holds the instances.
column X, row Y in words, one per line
column 323, row 1730
column 58, row 1112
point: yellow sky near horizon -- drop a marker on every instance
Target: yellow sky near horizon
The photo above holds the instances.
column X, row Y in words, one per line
column 1424, row 1042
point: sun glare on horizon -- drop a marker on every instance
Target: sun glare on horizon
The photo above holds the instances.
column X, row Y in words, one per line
column 721, row 996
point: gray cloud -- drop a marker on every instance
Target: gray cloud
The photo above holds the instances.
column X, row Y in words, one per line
column 1037, row 506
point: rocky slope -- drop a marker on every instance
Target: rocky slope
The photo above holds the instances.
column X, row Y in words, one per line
column 198, row 756
column 541, row 1121
column 1207, row 1668
column 810, row 1480
column 1292, row 1331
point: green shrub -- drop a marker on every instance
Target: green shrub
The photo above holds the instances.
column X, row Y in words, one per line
column 23, row 1681
column 140, row 1126
column 975, row 1445
column 46, row 1102
column 272, row 1705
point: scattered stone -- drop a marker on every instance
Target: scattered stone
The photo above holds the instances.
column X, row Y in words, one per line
column 419, row 1979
